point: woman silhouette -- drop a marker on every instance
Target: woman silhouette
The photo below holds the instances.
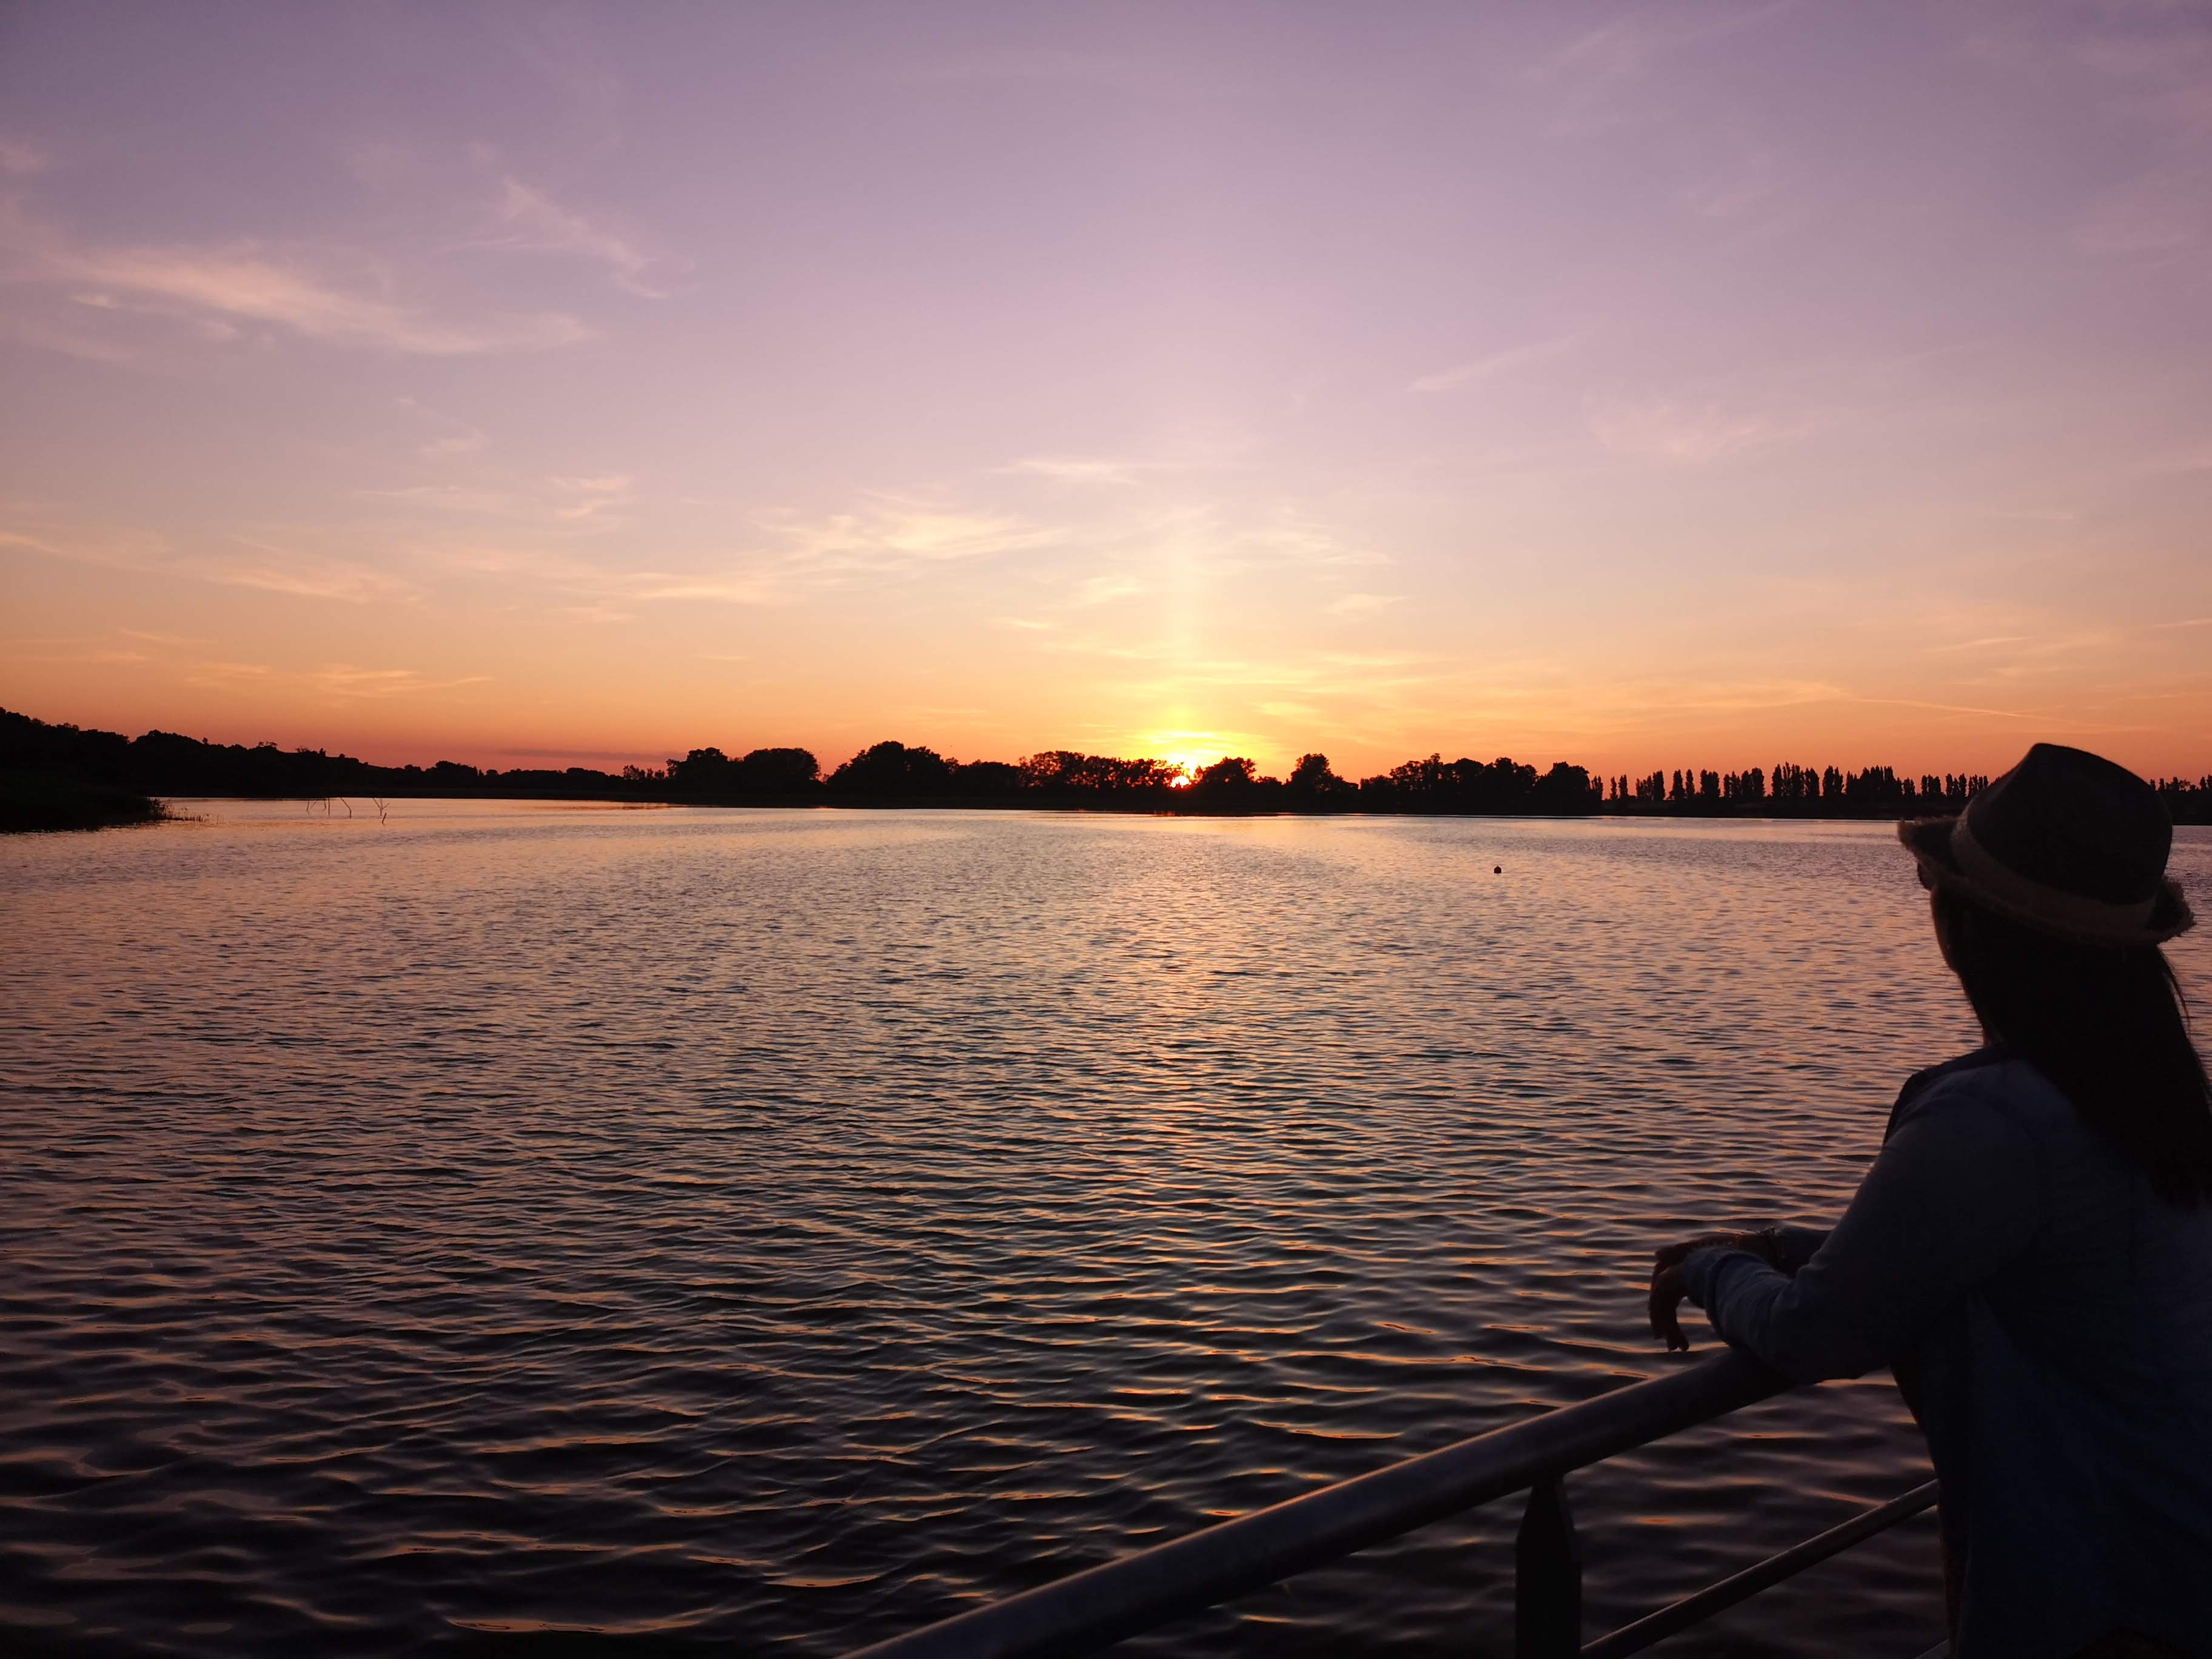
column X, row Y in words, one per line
column 2032, row 1251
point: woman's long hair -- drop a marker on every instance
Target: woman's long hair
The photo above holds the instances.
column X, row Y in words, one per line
column 2107, row 1025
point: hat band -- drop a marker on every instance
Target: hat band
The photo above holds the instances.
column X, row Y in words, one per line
column 2033, row 902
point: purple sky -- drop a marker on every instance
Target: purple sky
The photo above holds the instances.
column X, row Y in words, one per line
column 1643, row 385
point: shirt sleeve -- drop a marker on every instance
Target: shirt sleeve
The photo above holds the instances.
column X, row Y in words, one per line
column 1957, row 1192
column 1795, row 1246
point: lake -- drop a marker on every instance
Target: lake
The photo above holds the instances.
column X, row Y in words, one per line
column 557, row 1227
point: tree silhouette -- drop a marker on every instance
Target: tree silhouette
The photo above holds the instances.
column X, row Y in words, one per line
column 1566, row 789
column 892, row 768
column 703, row 772
column 1228, row 776
column 41, row 757
column 1064, row 772
column 1311, row 782
column 779, row 771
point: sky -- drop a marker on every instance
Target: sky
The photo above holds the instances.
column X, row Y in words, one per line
column 1641, row 386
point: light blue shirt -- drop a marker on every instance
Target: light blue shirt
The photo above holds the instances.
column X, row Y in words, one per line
column 2060, row 1315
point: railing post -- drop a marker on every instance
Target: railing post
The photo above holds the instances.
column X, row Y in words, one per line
column 1548, row 1577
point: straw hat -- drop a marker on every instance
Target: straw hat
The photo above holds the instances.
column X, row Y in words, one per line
column 2067, row 842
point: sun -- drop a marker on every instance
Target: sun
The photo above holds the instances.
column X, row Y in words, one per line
column 1189, row 764
column 1188, row 751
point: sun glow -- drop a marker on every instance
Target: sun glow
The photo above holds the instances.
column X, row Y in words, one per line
column 1188, row 751
column 1189, row 764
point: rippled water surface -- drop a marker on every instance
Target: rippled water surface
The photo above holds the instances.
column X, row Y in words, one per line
column 546, row 1228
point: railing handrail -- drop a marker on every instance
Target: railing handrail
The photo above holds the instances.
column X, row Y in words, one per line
column 1104, row 1604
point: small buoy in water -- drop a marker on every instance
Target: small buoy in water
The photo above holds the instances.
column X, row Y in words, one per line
column 1497, row 869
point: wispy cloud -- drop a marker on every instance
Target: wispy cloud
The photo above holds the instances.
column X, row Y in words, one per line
column 2164, row 212
column 1497, row 362
column 227, row 673
column 59, row 650
column 1105, row 590
column 1588, row 76
column 566, row 48
column 344, row 680
column 564, row 504
column 448, row 498
column 278, row 569
column 455, row 438
column 1949, row 708
column 2162, row 72
column 179, row 640
column 1363, row 605
column 1658, row 703
column 20, row 158
column 743, row 587
column 1678, row 434
column 1161, row 78
column 1080, row 469
column 1733, row 193
column 341, row 681
column 890, row 534
column 593, row 498
column 57, row 332
column 603, row 614
column 245, row 284
column 1742, row 198
column 2189, row 458
column 532, row 220
column 33, row 544
column 1290, row 536
column 236, row 562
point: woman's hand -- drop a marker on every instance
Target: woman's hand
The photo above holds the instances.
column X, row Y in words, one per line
column 1668, row 1289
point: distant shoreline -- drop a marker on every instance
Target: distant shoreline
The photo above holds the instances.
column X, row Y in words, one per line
column 44, row 802
column 899, row 775
column 364, row 807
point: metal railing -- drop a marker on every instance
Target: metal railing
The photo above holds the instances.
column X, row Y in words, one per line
column 1095, row 1608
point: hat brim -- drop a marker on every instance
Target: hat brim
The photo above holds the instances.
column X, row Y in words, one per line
column 1929, row 840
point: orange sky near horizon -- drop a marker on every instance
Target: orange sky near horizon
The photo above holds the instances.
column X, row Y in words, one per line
column 1711, row 386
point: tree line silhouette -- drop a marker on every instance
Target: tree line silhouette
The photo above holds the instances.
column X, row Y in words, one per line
column 897, row 774
column 1875, row 791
